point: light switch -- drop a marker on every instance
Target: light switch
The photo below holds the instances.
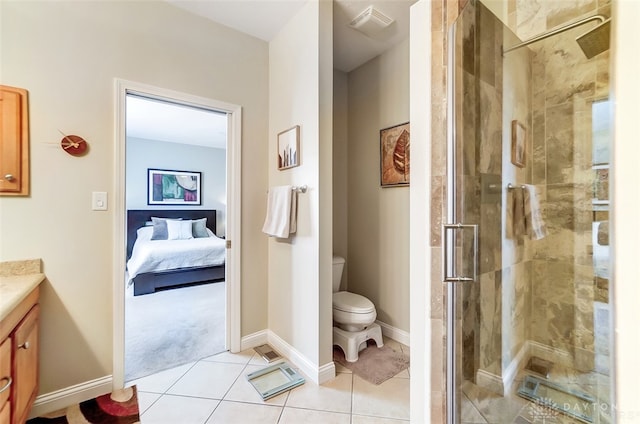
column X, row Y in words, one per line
column 99, row 201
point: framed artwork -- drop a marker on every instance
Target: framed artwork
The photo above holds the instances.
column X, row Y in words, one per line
column 518, row 144
column 394, row 156
column 288, row 146
column 166, row 187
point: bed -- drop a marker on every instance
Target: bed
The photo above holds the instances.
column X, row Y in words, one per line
column 156, row 264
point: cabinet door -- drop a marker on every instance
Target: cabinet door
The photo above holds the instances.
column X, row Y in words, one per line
column 14, row 142
column 25, row 366
column 5, row 380
column 5, row 413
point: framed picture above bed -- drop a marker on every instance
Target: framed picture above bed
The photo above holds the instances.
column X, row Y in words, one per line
column 167, row 187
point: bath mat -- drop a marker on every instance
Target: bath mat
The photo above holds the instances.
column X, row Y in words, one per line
column 374, row 364
column 100, row 410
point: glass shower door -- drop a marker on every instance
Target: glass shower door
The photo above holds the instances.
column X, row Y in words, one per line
column 526, row 236
column 473, row 261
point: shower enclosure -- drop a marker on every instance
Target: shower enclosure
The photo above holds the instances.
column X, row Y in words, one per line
column 526, row 244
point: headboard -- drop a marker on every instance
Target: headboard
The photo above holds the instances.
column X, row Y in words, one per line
column 138, row 218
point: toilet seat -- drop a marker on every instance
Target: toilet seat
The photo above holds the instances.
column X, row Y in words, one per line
column 352, row 303
column 352, row 312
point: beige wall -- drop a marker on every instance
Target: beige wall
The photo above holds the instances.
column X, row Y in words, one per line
column 378, row 218
column 340, row 167
column 300, row 83
column 67, row 55
column 426, row 403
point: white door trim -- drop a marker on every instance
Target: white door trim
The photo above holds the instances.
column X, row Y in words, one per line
column 233, row 265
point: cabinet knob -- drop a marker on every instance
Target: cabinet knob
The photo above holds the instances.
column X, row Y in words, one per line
column 9, row 177
column 7, row 384
column 24, row 345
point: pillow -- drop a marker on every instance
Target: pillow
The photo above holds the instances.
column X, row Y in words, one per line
column 144, row 233
column 160, row 228
column 200, row 228
column 179, row 230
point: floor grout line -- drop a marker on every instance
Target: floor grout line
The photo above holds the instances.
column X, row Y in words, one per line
column 245, row 364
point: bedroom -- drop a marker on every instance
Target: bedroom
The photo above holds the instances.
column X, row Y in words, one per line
column 175, row 169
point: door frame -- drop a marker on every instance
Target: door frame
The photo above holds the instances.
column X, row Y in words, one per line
column 233, row 199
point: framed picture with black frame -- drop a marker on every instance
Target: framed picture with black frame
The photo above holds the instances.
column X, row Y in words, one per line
column 168, row 187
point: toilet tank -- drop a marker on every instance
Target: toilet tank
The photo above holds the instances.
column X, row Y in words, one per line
column 338, row 266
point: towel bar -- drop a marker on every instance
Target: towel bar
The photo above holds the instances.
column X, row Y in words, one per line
column 298, row 189
column 512, row 187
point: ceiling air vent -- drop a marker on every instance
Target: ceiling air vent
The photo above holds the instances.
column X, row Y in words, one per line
column 370, row 21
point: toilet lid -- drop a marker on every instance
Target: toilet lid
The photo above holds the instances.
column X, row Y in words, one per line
column 353, row 303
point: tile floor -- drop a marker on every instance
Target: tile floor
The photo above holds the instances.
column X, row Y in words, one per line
column 215, row 390
column 481, row 406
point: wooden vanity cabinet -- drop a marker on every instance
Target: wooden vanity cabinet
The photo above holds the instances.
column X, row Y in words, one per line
column 14, row 142
column 19, row 360
column 5, row 381
column 5, row 414
column 25, row 365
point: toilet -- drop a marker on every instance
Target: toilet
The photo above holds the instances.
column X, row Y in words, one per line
column 353, row 318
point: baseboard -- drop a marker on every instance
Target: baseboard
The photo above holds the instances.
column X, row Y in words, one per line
column 516, row 364
column 393, row 333
column 548, row 353
column 317, row 374
column 71, row 395
column 327, row 372
column 502, row 384
column 253, row 340
column 490, row 381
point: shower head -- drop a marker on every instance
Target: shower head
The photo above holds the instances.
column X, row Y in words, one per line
column 596, row 40
column 592, row 42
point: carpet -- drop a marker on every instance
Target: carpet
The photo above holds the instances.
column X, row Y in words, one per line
column 173, row 327
column 374, row 364
column 105, row 409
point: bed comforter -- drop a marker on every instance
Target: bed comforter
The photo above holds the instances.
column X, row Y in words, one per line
column 163, row 255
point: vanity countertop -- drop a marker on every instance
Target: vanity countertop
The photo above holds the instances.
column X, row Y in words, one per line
column 17, row 280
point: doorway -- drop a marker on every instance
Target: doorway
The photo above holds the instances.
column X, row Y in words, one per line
column 184, row 148
column 228, row 198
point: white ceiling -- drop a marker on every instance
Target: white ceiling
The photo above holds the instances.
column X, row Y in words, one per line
column 161, row 121
column 352, row 48
column 262, row 19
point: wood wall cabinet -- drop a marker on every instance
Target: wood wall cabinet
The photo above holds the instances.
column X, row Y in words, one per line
column 19, row 337
column 14, row 142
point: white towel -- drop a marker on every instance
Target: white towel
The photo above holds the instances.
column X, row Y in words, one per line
column 281, row 212
column 534, row 223
column 515, row 214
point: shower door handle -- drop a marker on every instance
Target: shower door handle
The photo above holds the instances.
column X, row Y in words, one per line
column 448, row 254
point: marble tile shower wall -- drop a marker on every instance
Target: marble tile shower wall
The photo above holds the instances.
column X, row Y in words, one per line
column 492, row 91
column 565, row 85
